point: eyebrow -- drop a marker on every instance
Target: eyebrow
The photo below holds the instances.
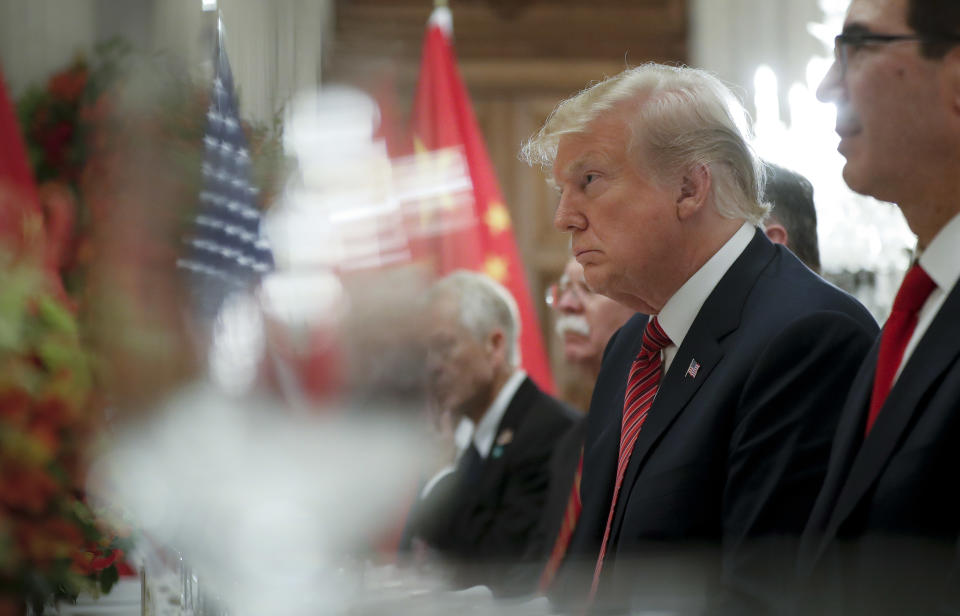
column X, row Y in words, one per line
column 856, row 28
column 588, row 159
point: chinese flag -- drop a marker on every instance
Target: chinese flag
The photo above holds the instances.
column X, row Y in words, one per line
column 21, row 220
column 443, row 118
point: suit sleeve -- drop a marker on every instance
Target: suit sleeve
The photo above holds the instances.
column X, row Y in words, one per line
column 780, row 446
column 432, row 514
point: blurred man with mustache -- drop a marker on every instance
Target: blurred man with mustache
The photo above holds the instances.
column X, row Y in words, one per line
column 585, row 322
column 884, row 534
column 586, row 319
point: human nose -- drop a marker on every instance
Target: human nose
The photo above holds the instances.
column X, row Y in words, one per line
column 568, row 217
column 569, row 301
column 831, row 86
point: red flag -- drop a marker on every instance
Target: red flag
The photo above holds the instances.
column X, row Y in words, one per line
column 443, row 119
column 21, row 219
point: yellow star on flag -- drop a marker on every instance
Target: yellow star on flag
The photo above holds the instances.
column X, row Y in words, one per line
column 496, row 267
column 497, row 218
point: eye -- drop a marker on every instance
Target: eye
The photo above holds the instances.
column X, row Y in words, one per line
column 589, row 178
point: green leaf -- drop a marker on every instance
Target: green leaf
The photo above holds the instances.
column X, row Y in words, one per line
column 108, row 577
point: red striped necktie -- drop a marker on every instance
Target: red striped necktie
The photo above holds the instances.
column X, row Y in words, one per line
column 570, row 516
column 642, row 388
column 914, row 291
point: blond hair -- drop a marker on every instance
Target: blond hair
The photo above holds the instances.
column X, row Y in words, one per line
column 682, row 118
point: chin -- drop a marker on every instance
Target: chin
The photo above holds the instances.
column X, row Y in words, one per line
column 855, row 180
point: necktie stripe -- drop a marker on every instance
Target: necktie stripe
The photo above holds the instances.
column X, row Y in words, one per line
column 644, row 381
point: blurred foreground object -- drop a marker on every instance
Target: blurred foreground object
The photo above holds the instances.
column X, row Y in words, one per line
column 51, row 546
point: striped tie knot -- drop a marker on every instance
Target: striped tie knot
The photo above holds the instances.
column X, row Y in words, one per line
column 654, row 338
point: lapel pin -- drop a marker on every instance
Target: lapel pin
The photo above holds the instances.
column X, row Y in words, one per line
column 692, row 369
column 505, row 437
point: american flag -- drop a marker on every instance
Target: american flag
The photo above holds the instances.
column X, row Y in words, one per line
column 692, row 369
column 225, row 251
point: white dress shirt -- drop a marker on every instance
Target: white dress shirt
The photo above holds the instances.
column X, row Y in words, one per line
column 678, row 314
column 482, row 437
column 941, row 261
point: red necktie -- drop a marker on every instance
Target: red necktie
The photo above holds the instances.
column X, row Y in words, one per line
column 914, row 290
column 641, row 390
column 570, row 515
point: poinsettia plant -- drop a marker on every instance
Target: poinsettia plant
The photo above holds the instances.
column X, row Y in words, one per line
column 52, row 546
column 59, row 121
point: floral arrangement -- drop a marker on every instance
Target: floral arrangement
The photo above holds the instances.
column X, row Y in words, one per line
column 58, row 121
column 51, row 544
column 106, row 178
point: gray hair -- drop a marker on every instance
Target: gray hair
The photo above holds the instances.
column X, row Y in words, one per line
column 484, row 305
column 683, row 117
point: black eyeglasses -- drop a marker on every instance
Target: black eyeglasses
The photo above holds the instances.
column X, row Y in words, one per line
column 856, row 39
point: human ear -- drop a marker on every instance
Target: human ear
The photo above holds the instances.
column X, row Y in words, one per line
column 694, row 190
column 776, row 233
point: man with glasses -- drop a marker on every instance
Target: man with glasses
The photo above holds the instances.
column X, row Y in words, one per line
column 585, row 320
column 883, row 535
column 710, row 425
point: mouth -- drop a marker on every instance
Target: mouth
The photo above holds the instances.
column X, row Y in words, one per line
column 847, row 125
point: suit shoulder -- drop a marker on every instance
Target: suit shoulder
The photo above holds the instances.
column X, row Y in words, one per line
column 546, row 409
column 798, row 292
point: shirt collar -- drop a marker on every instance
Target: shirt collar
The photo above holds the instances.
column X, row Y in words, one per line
column 681, row 309
column 939, row 260
column 486, row 430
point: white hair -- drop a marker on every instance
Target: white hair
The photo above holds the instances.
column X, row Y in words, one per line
column 682, row 117
column 484, row 305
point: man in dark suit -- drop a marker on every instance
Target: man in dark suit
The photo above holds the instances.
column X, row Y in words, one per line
column 480, row 513
column 883, row 535
column 711, row 421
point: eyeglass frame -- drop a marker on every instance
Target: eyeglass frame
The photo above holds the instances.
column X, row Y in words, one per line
column 555, row 291
column 857, row 39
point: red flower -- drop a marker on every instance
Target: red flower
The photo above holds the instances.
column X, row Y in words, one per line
column 48, row 540
column 92, row 559
column 15, row 406
column 54, row 141
column 68, row 85
column 26, row 489
column 102, row 562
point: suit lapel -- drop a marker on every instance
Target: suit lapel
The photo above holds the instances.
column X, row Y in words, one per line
column 719, row 316
column 927, row 363
column 494, row 464
column 600, row 459
column 846, row 444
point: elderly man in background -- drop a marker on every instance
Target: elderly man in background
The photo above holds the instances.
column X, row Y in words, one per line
column 481, row 512
column 793, row 216
column 585, row 322
column 884, row 536
column 711, row 421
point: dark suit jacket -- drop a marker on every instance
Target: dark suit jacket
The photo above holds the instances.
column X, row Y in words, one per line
column 882, row 537
column 729, row 462
column 490, row 525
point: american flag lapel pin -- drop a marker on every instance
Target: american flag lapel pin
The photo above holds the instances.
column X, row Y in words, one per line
column 692, row 369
